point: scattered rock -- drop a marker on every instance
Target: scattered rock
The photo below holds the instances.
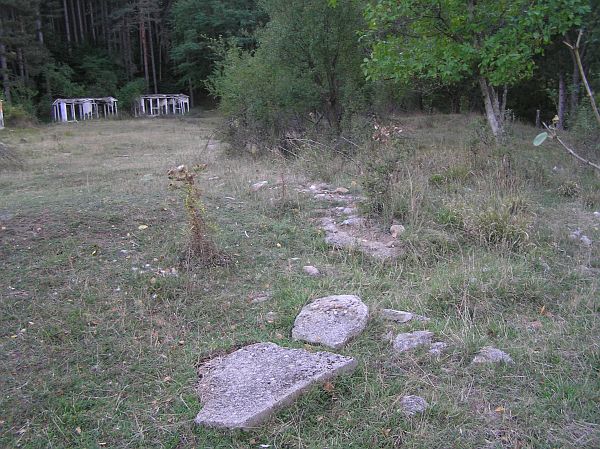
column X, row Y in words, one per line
column 311, row 271
column 256, row 298
column 331, row 321
column 400, row 316
column 597, row 214
column 535, row 325
column 438, row 347
column 585, row 240
column 320, row 187
column 258, row 185
column 243, row 389
column 341, row 191
column 354, row 221
column 489, row 354
column 271, row 317
column 411, row 340
column 411, row 405
column 396, row 230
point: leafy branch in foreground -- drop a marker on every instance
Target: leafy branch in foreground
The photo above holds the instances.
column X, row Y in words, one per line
column 201, row 247
column 552, row 134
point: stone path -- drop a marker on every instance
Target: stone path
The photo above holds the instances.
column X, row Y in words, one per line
column 345, row 229
column 242, row 389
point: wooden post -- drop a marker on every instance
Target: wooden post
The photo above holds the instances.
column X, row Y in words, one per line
column 538, row 121
column 1, row 116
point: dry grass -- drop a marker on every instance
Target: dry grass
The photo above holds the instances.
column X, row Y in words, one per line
column 100, row 337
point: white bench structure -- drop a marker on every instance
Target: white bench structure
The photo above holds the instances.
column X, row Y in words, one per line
column 75, row 109
column 153, row 105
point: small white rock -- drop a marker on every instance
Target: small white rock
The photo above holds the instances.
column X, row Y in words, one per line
column 311, row 271
column 411, row 405
column 258, row 185
column 396, row 230
column 399, row 316
column 437, row 348
column 489, row 354
column 585, row 240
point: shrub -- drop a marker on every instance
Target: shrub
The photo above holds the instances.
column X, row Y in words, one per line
column 305, row 72
column 130, row 91
column 499, row 226
column 201, row 248
column 568, row 189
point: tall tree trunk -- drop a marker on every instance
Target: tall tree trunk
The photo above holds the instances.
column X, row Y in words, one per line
column 152, row 60
column 191, row 89
column 492, row 107
column 4, row 69
column 575, row 86
column 104, row 23
column 67, row 27
column 74, row 22
column 129, row 53
column 92, row 21
column 562, row 101
column 39, row 34
column 81, row 30
column 21, row 64
column 144, row 49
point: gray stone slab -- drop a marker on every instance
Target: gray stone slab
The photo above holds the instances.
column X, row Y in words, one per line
column 399, row 316
column 411, row 340
column 411, row 405
column 331, row 321
column 243, row 389
column 489, row 354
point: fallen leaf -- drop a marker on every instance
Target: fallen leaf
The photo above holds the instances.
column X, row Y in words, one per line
column 142, row 227
column 499, row 409
column 328, row 387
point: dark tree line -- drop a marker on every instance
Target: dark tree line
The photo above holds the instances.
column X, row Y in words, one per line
column 51, row 48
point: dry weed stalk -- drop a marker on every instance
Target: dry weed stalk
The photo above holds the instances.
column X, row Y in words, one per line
column 201, row 247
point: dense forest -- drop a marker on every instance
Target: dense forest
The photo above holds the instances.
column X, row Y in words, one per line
column 69, row 48
column 275, row 63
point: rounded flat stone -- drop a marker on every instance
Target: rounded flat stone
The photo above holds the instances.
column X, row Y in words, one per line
column 331, row 321
column 411, row 340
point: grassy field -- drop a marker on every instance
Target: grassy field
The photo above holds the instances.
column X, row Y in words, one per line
column 99, row 336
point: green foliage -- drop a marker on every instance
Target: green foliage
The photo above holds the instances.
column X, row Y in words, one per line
column 59, row 81
column 197, row 24
column 129, row 92
column 499, row 225
column 100, row 74
column 448, row 41
column 307, row 62
column 585, row 128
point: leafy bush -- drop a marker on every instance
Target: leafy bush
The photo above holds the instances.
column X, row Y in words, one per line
column 305, row 73
column 17, row 115
column 129, row 92
column 59, row 79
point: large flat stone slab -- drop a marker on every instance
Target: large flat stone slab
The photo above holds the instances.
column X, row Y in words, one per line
column 243, row 389
column 331, row 321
